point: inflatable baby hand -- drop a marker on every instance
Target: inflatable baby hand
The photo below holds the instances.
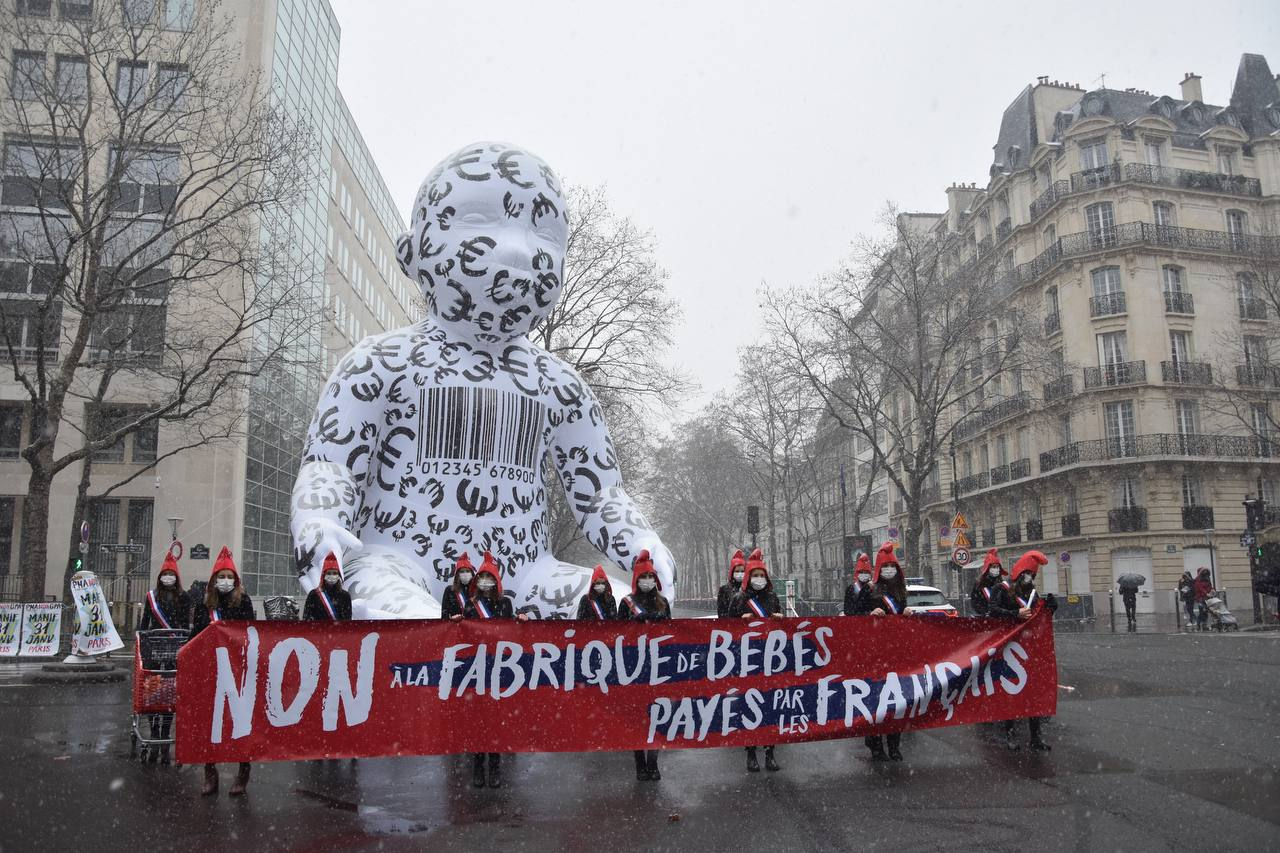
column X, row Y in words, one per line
column 329, row 537
column 665, row 567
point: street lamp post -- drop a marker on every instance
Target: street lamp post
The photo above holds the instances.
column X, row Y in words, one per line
column 1213, row 566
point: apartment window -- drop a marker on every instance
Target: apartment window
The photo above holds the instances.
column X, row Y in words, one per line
column 37, row 175
column 10, row 431
column 966, row 464
column 1050, row 236
column 1191, row 490
column 1118, row 422
column 1112, row 349
column 1172, row 277
column 1246, row 286
column 131, row 83
column 1093, row 154
column 1227, row 161
column 1255, row 351
column 179, row 14
column 81, row 9
column 1261, row 420
column 27, row 79
column 1057, row 363
column 1002, row 449
column 138, row 531
column 1100, row 221
column 1069, row 503
column 1126, row 493
column 132, row 331
column 1180, row 347
column 1237, row 222
column 1051, row 300
column 104, row 524
column 139, row 13
column 107, row 419
column 1154, row 149
column 1165, row 213
column 8, row 511
column 1186, row 415
column 148, row 181
column 172, row 84
column 1064, row 428
column 40, row 8
column 72, row 78
column 28, row 325
column 1024, row 443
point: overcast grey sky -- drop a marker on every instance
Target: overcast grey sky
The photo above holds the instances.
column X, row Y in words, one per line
column 755, row 139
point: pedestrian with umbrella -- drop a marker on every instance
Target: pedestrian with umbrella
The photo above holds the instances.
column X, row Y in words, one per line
column 1129, row 584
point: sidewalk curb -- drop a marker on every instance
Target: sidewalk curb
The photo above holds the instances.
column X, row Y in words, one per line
column 82, row 673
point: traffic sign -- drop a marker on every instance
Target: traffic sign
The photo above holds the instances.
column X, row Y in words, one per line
column 1064, row 557
column 961, row 540
column 122, row 548
column 1247, row 539
column 84, row 531
column 960, row 556
column 960, row 522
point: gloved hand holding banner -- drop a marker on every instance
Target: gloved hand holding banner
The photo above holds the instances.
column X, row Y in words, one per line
column 263, row 691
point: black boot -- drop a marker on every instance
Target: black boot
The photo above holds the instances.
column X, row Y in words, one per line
column 875, row 743
column 477, row 769
column 769, row 763
column 753, row 764
column 1010, row 743
column 651, row 764
column 642, row 767
column 1037, row 742
column 895, row 754
column 495, row 770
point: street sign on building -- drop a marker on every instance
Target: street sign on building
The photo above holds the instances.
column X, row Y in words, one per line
column 199, row 552
column 122, row 548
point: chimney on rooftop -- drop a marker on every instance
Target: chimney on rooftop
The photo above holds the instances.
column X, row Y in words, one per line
column 1191, row 87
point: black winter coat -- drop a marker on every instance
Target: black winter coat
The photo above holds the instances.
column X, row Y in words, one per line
column 979, row 601
column 314, row 611
column 450, row 606
column 606, row 601
column 880, row 593
column 176, row 607
column 1005, row 604
column 766, row 598
column 500, row 607
column 858, row 599
column 653, row 607
column 200, row 615
column 724, row 597
column 1186, row 591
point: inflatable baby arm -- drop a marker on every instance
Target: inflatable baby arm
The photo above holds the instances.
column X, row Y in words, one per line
column 340, row 448
column 588, row 468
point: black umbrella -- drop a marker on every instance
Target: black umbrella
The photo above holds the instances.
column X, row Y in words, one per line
column 1131, row 579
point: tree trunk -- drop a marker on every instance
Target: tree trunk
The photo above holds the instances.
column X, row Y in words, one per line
column 35, row 534
column 81, row 513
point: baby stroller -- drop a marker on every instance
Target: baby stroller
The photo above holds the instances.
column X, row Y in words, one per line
column 155, row 687
column 1220, row 618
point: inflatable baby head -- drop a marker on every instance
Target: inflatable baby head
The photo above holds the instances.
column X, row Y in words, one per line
column 487, row 242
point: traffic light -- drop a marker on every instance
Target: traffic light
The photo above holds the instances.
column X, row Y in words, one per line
column 1255, row 511
column 79, row 564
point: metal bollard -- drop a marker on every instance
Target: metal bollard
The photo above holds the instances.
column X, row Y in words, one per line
column 1111, row 599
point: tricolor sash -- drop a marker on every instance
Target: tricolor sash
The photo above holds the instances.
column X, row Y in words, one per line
column 328, row 605
column 482, row 607
column 755, row 606
column 857, row 587
column 155, row 608
column 889, row 604
column 634, row 605
column 986, row 591
column 1029, row 600
column 214, row 615
column 595, row 605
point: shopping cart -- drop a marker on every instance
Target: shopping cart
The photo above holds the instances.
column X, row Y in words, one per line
column 155, row 687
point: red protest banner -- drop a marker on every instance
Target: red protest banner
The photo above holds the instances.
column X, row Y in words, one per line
column 264, row 691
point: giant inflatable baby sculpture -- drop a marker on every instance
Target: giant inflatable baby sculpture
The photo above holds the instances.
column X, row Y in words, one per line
column 429, row 441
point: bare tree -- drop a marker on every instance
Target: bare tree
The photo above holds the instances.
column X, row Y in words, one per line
column 901, row 346
column 148, row 185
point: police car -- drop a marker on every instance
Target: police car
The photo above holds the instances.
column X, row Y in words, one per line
column 928, row 600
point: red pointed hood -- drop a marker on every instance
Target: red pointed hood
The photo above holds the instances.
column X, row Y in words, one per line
column 642, row 565
column 599, row 575
column 755, row 561
column 737, row 561
column 885, row 557
column 224, row 561
column 488, row 566
column 863, row 565
column 993, row 559
column 463, row 562
column 1028, row 562
column 331, row 564
column 170, row 565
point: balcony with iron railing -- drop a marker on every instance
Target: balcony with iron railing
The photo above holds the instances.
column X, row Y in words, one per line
column 1186, row 373
column 1107, row 305
column 1131, row 519
column 972, row 483
column 984, row 246
column 1052, row 323
column 1060, row 388
column 1114, row 375
column 1035, row 530
column 1000, row 474
column 1071, row 524
column 1008, row 407
column 969, row 425
column 1257, row 376
column 1115, row 173
column 1191, row 445
column 1054, row 193
column 1178, row 302
column 1197, row 517
column 1252, row 308
column 1012, row 533
column 1019, row 468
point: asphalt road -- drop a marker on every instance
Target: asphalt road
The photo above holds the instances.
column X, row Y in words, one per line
column 1168, row 742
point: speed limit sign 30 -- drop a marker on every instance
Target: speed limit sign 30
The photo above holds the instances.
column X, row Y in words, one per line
column 960, row 556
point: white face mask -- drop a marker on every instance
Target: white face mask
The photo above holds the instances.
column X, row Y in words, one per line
column 863, row 577
column 759, row 583
column 331, row 579
column 600, row 588
column 737, row 577
column 994, row 571
column 646, row 584
column 888, row 573
column 485, row 584
column 464, row 577
column 168, row 580
column 224, row 584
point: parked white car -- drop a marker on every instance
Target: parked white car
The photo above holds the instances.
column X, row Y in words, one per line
column 929, row 600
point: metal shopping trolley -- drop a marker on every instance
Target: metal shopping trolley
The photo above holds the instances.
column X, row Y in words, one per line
column 155, row 688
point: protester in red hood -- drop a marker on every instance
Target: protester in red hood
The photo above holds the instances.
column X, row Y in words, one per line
column 737, row 572
column 598, row 601
column 985, row 586
column 1203, row 590
column 888, row 598
column 457, row 595
column 757, row 600
column 224, row 598
column 168, row 605
column 645, row 604
column 488, row 602
column 328, row 602
column 1018, row 599
column 858, row 596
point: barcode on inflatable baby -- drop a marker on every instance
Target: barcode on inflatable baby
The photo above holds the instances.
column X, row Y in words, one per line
column 480, row 424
